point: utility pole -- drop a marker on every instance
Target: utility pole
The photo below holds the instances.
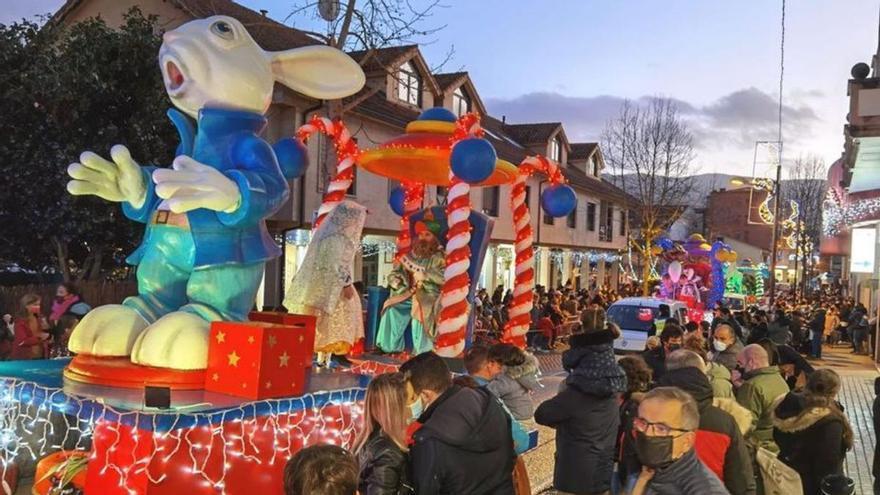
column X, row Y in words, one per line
column 778, row 185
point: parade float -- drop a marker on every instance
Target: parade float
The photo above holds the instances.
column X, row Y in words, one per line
column 181, row 389
column 694, row 272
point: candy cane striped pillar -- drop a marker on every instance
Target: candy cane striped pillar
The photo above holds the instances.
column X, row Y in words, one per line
column 520, row 308
column 346, row 152
column 453, row 318
column 414, row 194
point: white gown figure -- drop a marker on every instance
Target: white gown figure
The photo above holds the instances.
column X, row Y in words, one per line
column 323, row 284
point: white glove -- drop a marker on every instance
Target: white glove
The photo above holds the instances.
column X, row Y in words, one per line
column 191, row 185
column 119, row 180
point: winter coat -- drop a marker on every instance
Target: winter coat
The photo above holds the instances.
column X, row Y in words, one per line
column 592, row 365
column 778, row 332
column 741, row 415
column 757, row 394
column 586, row 426
column 656, row 360
column 728, row 356
column 832, row 321
column 686, row 476
column 514, row 386
column 383, row 467
column 719, row 377
column 627, row 460
column 27, row 343
column 817, row 324
column 463, row 446
column 812, row 440
column 720, row 444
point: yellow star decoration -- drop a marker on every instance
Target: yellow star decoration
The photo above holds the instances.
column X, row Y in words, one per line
column 284, row 359
column 233, row 358
column 221, row 337
column 250, row 339
column 272, row 341
column 243, row 385
column 215, row 377
column 301, row 338
column 268, row 384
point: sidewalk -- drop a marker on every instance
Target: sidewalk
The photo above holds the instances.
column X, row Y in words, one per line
column 857, row 396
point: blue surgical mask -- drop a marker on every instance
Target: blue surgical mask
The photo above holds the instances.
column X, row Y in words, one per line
column 416, row 409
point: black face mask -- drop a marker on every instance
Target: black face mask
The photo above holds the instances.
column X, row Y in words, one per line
column 674, row 347
column 654, row 452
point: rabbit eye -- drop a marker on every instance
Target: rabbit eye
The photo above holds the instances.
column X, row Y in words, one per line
column 223, row 30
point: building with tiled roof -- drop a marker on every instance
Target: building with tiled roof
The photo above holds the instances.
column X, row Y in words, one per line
column 399, row 87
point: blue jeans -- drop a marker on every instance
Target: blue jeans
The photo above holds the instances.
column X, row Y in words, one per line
column 858, row 337
column 167, row 281
column 817, row 344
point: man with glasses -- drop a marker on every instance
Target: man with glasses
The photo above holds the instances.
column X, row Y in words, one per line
column 665, row 432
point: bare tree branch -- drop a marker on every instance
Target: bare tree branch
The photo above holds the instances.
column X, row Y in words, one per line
column 650, row 151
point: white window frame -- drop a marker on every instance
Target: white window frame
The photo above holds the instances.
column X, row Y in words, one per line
column 461, row 103
column 409, row 84
column 555, row 150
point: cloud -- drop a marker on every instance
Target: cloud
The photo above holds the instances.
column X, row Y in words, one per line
column 725, row 130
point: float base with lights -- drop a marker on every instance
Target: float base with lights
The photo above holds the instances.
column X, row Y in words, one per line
column 243, row 397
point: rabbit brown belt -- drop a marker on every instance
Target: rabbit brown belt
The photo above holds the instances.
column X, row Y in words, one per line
column 166, row 217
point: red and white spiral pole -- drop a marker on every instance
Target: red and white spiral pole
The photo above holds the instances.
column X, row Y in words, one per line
column 346, row 152
column 413, row 194
column 520, row 308
column 454, row 305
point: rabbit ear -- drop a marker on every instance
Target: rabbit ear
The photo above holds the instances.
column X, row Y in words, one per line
column 318, row 71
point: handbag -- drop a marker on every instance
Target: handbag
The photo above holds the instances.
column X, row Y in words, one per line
column 521, row 485
column 779, row 478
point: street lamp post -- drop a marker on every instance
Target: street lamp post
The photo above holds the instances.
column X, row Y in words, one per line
column 777, row 186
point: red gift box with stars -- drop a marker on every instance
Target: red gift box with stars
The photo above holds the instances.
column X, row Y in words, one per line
column 260, row 359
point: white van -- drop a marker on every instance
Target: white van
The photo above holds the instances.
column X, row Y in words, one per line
column 635, row 316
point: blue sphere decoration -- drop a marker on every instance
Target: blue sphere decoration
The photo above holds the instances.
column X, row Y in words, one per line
column 438, row 113
column 473, row 160
column 293, row 157
column 397, row 200
column 559, row 200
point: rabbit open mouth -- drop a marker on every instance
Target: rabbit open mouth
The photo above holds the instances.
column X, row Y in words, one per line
column 175, row 76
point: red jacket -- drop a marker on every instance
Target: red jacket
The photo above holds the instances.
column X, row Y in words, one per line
column 27, row 344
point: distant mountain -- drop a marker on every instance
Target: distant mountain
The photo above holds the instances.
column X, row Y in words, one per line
column 703, row 185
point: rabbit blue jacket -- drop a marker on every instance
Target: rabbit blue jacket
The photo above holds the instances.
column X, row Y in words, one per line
column 226, row 140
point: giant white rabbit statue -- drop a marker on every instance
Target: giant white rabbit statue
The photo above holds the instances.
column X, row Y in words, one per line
column 206, row 242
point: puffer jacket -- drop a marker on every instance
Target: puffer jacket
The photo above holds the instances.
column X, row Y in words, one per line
column 383, row 467
column 592, row 366
column 812, row 440
column 463, row 445
column 719, row 376
column 586, row 427
column 686, row 476
column 514, row 386
column 720, row 444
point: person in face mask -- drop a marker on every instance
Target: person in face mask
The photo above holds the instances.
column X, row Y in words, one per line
column 464, row 443
column 665, row 432
column 670, row 340
column 762, row 384
column 725, row 346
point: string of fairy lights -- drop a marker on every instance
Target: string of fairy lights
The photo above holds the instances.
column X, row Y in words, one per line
column 213, row 442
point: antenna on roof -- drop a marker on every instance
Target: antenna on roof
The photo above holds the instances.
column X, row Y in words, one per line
column 504, row 119
column 264, row 12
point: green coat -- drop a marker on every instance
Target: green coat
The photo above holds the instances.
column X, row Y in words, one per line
column 757, row 394
column 719, row 377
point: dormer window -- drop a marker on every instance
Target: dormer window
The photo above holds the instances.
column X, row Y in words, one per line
column 409, row 85
column 595, row 163
column 556, row 150
column 461, row 104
